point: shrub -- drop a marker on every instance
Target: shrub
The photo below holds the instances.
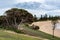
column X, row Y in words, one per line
column 35, row 27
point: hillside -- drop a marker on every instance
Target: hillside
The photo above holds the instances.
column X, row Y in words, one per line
column 30, row 34
column 46, row 27
column 9, row 35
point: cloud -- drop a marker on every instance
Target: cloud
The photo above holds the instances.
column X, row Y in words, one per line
column 53, row 12
column 53, row 7
column 2, row 10
column 53, row 3
column 36, row 12
column 38, row 7
column 29, row 5
column 6, row 3
column 48, row 7
column 41, row 1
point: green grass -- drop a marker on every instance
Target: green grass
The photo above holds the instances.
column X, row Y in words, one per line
column 27, row 30
column 10, row 36
column 39, row 34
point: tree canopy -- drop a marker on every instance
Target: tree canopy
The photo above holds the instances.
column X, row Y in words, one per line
column 18, row 15
column 14, row 17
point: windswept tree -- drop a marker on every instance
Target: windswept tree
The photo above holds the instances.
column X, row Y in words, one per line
column 54, row 22
column 16, row 16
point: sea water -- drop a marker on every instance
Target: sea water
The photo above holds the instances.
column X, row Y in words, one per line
column 58, row 26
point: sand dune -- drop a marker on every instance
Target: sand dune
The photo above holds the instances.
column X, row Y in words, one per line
column 46, row 27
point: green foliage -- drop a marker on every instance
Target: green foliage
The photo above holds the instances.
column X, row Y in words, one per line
column 29, row 31
column 34, row 27
column 13, row 17
column 38, row 33
column 14, row 36
column 35, row 18
column 18, row 15
column 45, row 17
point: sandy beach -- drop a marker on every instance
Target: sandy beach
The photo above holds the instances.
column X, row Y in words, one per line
column 46, row 26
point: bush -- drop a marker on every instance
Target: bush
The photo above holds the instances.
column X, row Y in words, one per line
column 35, row 27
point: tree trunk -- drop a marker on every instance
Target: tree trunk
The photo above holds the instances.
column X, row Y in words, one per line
column 53, row 30
column 7, row 21
column 15, row 23
column 53, row 33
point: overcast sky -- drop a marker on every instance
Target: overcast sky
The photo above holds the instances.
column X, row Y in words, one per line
column 52, row 6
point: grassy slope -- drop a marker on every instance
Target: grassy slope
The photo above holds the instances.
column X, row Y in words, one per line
column 39, row 33
column 27, row 30
column 10, row 36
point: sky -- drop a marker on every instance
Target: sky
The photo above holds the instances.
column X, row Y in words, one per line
column 50, row 7
column 41, row 1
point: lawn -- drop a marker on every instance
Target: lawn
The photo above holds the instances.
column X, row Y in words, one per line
column 11, row 36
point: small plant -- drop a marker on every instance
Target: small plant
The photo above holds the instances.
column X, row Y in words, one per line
column 35, row 27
